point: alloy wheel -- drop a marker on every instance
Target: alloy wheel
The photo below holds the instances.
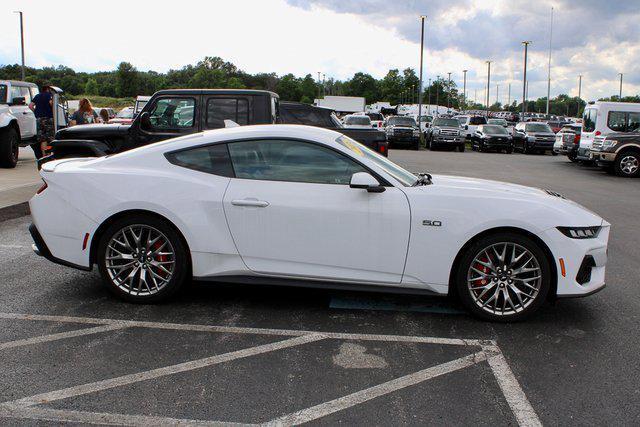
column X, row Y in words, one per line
column 140, row 260
column 629, row 165
column 504, row 278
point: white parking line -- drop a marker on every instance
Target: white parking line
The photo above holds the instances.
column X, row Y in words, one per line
column 25, row 407
column 101, row 418
column 160, row 372
column 243, row 330
column 517, row 400
column 60, row 336
column 353, row 399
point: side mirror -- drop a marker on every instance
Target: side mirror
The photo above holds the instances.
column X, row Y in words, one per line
column 145, row 121
column 365, row 181
column 466, row 127
column 18, row 100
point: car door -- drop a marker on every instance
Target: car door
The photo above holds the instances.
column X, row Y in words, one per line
column 23, row 114
column 291, row 212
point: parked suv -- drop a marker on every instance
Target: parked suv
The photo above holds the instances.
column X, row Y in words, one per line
column 445, row 133
column 618, row 153
column 533, row 137
column 403, row 130
column 602, row 118
column 470, row 124
column 492, row 138
column 17, row 121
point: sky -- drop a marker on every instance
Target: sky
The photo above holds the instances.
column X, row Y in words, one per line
column 595, row 38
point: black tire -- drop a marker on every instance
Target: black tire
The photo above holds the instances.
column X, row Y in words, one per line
column 464, row 267
column 509, row 150
column 180, row 268
column 553, row 153
column 461, row 148
column 525, row 149
column 9, row 147
column 416, row 145
column 627, row 164
column 481, row 147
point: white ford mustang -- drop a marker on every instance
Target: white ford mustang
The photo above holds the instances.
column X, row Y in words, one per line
column 297, row 205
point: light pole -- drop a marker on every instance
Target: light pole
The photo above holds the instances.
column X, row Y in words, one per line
column 524, row 79
column 579, row 86
column 429, row 96
column 449, row 93
column 323, row 86
column 509, row 96
column 437, row 95
column 21, row 43
column 497, row 93
column 488, row 84
column 620, row 96
column 422, row 17
column 464, row 89
column 549, row 74
column 319, row 84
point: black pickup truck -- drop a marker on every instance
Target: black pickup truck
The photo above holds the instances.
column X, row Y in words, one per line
column 176, row 112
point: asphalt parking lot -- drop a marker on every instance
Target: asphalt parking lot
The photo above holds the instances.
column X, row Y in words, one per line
column 253, row 355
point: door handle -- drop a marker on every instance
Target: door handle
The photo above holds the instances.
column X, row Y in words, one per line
column 250, row 202
column 25, row 112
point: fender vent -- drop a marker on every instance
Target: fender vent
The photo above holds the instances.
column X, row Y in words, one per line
column 553, row 193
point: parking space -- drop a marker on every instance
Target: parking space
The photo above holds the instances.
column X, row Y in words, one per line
column 251, row 355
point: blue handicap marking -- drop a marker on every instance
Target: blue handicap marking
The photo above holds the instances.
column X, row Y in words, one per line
column 394, row 303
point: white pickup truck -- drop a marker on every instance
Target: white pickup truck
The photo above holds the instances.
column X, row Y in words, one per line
column 17, row 121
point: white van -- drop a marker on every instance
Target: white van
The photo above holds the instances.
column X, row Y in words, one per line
column 470, row 124
column 602, row 118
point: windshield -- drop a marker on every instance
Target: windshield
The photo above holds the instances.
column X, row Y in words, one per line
column 477, row 121
column 427, row 119
column 125, row 113
column 357, row 120
column 375, row 116
column 3, row 94
column 454, row 123
column 494, row 130
column 501, row 122
column 538, row 127
column 402, row 121
column 405, row 177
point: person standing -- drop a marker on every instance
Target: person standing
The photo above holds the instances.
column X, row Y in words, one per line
column 84, row 115
column 104, row 115
column 42, row 107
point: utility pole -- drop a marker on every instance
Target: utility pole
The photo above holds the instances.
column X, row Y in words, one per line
column 475, row 96
column 549, row 74
column 449, row 93
column 420, row 83
column 524, row 79
column 464, row 89
column 509, row 96
column 497, row 93
column 437, row 95
column 429, row 102
column 620, row 96
column 323, row 86
column 488, row 84
column 319, row 84
column 21, row 43
column 580, row 86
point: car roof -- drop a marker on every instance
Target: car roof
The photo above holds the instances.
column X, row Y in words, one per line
column 18, row 82
column 216, row 91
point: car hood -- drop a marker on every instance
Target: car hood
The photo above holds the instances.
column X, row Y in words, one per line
column 93, row 131
column 446, row 127
column 548, row 134
column 538, row 205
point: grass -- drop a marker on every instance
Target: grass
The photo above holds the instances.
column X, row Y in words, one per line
column 105, row 101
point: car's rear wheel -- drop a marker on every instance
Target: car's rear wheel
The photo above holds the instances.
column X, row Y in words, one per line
column 9, row 147
column 503, row 277
column 142, row 259
column 627, row 164
column 461, row 148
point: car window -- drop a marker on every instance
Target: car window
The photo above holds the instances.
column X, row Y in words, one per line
column 617, row 121
column 15, row 92
column 292, row 161
column 375, row 116
column 3, row 94
column 538, row 127
column 26, row 93
column 446, row 122
column 212, row 159
column 357, row 120
column 125, row 113
column 173, row 113
column 494, row 129
column 477, row 121
column 401, row 121
column 221, row 109
column 589, row 119
column 633, row 122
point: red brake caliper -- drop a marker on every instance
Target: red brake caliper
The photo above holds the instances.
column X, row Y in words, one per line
column 484, row 269
column 159, row 258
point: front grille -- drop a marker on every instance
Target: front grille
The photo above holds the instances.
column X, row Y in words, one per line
column 584, row 272
column 448, row 132
column 545, row 139
column 402, row 132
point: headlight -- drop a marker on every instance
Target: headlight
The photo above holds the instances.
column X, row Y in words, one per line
column 608, row 143
column 416, row 132
column 580, row 232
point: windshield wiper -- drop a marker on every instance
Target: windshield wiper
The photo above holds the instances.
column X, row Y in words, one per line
column 423, row 179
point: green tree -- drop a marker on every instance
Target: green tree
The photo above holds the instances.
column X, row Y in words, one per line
column 126, row 80
column 91, row 88
column 289, row 88
column 308, row 88
column 391, row 87
column 410, row 82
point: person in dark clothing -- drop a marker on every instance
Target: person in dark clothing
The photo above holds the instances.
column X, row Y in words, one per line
column 42, row 107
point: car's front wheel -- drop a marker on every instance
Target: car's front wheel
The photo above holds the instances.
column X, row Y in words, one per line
column 9, row 147
column 503, row 277
column 142, row 259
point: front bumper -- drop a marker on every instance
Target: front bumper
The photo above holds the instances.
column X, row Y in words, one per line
column 447, row 140
column 602, row 158
column 541, row 145
column 584, row 153
column 573, row 253
column 402, row 139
